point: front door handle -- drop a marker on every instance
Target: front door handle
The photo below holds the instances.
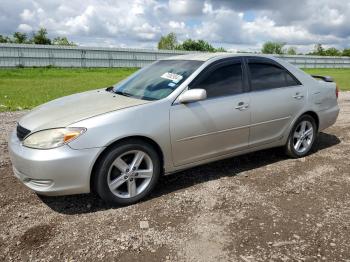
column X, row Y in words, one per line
column 298, row 96
column 242, row 106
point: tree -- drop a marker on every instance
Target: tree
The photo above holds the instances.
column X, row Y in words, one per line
column 19, row 38
column 332, row 52
column 291, row 51
column 196, row 45
column 4, row 39
column 168, row 42
column 273, row 48
column 40, row 37
column 220, row 49
column 346, row 52
column 318, row 50
column 62, row 41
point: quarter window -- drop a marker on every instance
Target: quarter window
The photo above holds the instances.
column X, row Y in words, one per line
column 223, row 81
column 267, row 76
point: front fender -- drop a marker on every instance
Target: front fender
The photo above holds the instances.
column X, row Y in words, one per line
column 149, row 120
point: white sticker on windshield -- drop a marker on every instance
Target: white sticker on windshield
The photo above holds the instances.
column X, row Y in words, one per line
column 175, row 78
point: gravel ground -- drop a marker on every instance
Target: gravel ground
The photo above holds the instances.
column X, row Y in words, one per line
column 257, row 207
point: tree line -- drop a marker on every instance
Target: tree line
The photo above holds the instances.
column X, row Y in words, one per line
column 279, row 48
column 39, row 37
column 169, row 42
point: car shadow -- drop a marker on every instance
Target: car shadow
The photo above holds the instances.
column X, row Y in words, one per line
column 87, row 203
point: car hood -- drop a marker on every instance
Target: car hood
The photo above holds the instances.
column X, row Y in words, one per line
column 70, row 109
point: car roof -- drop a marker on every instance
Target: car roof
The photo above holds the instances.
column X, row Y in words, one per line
column 208, row 56
column 298, row 73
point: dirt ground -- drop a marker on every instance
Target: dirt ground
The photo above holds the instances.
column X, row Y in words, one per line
column 258, row 207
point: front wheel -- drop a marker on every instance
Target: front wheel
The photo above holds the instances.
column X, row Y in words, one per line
column 302, row 137
column 127, row 173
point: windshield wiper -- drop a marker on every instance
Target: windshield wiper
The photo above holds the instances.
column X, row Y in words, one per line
column 109, row 89
column 122, row 93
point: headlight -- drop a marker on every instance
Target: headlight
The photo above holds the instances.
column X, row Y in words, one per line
column 52, row 138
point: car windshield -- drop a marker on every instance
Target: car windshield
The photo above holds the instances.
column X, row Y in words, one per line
column 157, row 80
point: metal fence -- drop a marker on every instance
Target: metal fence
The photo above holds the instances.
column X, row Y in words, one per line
column 15, row 55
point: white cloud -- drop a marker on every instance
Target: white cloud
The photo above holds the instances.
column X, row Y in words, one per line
column 25, row 28
column 81, row 23
column 27, row 15
column 140, row 23
column 186, row 7
column 146, row 31
column 222, row 26
column 177, row 25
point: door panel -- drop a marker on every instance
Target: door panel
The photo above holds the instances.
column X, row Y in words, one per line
column 276, row 98
column 272, row 111
column 209, row 128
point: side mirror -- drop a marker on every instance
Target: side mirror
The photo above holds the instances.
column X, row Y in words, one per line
column 192, row 95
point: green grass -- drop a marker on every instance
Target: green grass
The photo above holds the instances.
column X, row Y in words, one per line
column 341, row 76
column 25, row 88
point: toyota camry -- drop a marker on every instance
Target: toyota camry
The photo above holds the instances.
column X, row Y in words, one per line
column 174, row 114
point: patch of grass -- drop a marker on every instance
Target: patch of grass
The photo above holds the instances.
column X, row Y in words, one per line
column 25, row 88
column 341, row 76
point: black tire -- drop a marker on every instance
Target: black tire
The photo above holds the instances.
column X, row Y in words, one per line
column 100, row 183
column 289, row 147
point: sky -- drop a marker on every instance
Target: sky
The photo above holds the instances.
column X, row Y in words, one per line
column 242, row 25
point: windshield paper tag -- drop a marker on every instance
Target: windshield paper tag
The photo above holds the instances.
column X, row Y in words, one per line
column 175, row 78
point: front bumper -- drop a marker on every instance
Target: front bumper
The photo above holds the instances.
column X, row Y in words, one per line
column 58, row 171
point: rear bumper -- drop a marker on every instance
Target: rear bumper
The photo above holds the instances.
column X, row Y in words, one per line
column 328, row 117
column 59, row 171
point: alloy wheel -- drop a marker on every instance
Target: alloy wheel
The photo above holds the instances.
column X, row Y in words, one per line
column 130, row 174
column 303, row 137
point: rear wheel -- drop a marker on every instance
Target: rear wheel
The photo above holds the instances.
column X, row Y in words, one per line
column 127, row 173
column 302, row 137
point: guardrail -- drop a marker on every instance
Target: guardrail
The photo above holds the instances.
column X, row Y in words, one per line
column 18, row 55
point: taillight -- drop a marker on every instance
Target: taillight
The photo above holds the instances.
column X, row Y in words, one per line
column 336, row 91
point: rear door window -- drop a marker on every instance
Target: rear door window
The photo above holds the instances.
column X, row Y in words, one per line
column 266, row 75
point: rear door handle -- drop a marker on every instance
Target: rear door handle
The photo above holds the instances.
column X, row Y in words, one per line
column 242, row 106
column 298, row 96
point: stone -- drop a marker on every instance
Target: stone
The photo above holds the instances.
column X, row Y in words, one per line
column 144, row 224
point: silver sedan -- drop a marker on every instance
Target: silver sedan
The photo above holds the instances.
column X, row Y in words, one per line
column 174, row 114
